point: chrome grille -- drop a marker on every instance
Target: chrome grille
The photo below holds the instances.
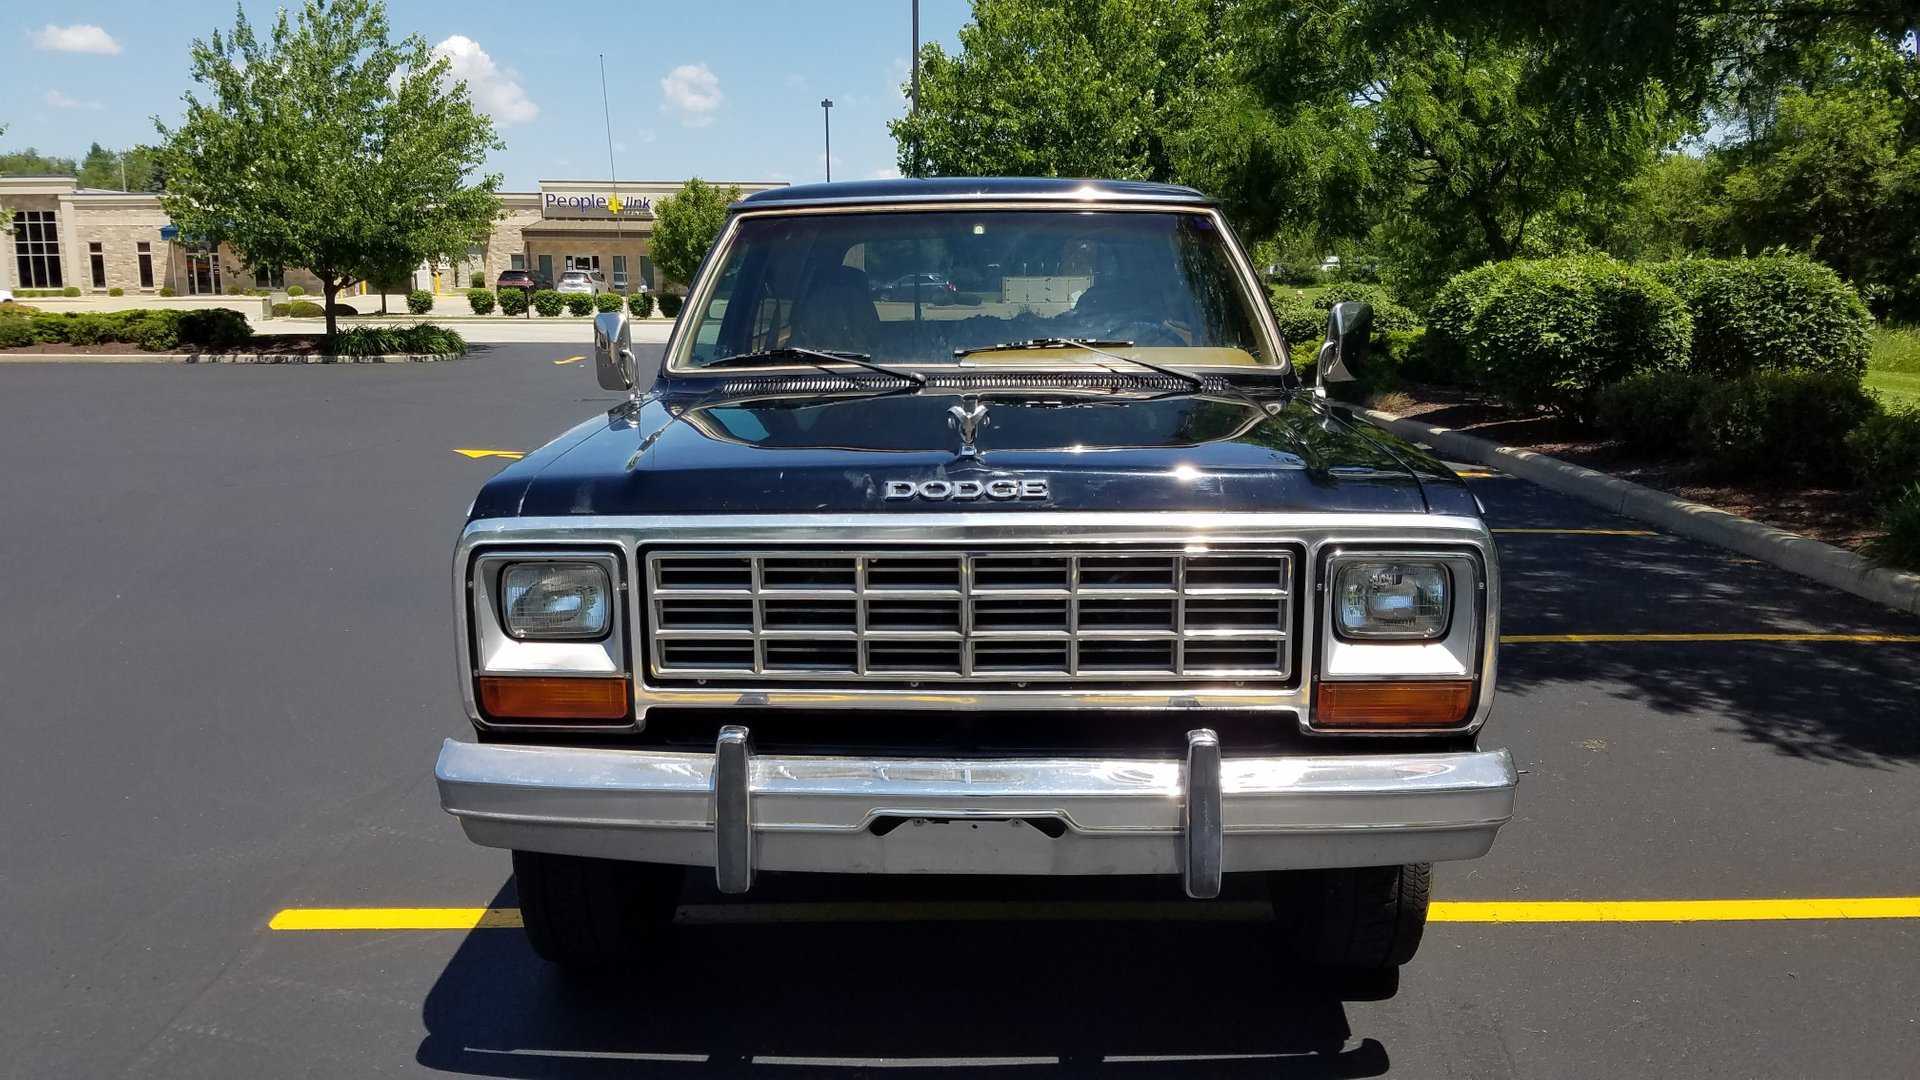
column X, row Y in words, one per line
column 939, row 616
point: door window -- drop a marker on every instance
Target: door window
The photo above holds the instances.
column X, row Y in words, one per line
column 620, row 273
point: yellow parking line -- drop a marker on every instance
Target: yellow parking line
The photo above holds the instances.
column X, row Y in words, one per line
column 510, row 455
column 1478, row 474
column 570, row 360
column 1667, row 639
column 1578, row 532
column 1453, row 911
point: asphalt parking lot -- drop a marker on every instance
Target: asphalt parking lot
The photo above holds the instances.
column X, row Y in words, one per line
column 225, row 669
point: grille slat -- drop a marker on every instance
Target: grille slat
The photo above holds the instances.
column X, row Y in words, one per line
column 1110, row 616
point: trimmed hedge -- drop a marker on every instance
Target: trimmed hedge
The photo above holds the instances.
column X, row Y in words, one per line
column 1300, row 322
column 1886, row 452
column 670, row 304
column 296, row 290
column 480, row 300
column 513, row 301
column 71, row 290
column 426, row 338
column 116, row 291
column 1652, row 413
column 607, row 301
column 1388, row 313
column 419, row 301
column 150, row 328
column 1773, row 313
column 16, row 333
column 641, row 304
column 1901, row 520
column 1552, row 332
column 579, row 303
column 1781, row 425
column 476, row 280
column 548, row 303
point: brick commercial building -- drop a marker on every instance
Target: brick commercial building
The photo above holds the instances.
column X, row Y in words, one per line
column 66, row 235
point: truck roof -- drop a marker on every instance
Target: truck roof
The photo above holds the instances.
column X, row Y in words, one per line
column 964, row 188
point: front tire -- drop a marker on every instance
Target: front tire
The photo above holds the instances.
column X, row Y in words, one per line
column 1368, row 919
column 591, row 914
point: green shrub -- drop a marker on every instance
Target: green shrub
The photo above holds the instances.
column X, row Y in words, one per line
column 513, row 301
column 670, row 304
column 1652, row 413
column 607, row 301
column 1886, row 452
column 214, row 328
column 1388, row 313
column 419, row 301
column 71, row 290
column 548, row 303
column 16, row 333
column 1901, row 520
column 1773, row 313
column 424, row 339
column 481, row 301
column 155, row 331
column 296, row 290
column 1781, row 425
column 477, row 280
column 116, row 291
column 89, row 330
column 641, row 304
column 1300, row 322
column 579, row 303
column 1552, row 332
column 166, row 290
column 304, row 309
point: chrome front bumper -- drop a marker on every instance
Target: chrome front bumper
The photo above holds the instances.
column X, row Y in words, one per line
column 739, row 812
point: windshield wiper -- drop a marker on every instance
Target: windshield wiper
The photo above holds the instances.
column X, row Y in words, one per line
column 816, row 356
column 1096, row 346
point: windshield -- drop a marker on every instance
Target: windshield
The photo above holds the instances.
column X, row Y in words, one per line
column 917, row 287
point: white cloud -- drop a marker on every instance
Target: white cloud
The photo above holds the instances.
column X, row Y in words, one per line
column 693, row 90
column 496, row 90
column 888, row 173
column 78, row 38
column 61, row 101
column 646, row 135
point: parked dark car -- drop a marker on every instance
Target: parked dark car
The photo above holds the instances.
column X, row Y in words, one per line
column 1032, row 586
column 517, row 279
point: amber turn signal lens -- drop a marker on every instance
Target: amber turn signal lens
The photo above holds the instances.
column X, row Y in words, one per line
column 516, row 697
column 1386, row 706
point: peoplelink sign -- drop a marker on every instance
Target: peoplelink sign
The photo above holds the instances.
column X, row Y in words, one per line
column 556, row 205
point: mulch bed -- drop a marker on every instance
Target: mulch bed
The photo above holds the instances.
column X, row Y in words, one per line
column 282, row 344
column 1837, row 516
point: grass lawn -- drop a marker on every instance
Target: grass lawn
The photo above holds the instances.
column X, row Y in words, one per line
column 1898, row 389
column 1893, row 368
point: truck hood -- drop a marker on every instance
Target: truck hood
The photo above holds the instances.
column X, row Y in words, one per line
column 806, row 454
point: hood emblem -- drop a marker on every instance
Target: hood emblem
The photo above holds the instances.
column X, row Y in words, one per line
column 1000, row 487
column 968, row 418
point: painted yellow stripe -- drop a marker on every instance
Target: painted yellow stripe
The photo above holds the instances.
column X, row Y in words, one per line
column 1479, row 474
column 1646, row 911
column 1450, row 911
column 446, row 918
column 570, row 360
column 1676, row 639
column 1578, row 532
column 510, row 455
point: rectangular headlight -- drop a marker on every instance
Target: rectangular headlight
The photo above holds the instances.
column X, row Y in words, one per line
column 555, row 601
column 1392, row 599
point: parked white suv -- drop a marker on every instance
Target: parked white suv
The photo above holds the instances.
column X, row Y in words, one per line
column 579, row 281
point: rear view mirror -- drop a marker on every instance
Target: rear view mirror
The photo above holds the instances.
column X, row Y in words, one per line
column 1344, row 353
column 613, row 351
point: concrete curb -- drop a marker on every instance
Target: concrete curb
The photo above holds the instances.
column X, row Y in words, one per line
column 1789, row 551
column 222, row 358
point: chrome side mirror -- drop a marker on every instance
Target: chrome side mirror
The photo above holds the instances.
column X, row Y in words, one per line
column 613, row 350
column 1344, row 353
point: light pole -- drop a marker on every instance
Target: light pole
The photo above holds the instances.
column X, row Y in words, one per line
column 913, row 97
column 826, row 117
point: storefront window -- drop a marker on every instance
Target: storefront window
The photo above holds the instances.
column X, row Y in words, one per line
column 36, row 248
column 203, row 273
column 97, row 263
column 265, row 277
column 620, row 273
column 145, row 250
column 517, row 261
column 646, row 273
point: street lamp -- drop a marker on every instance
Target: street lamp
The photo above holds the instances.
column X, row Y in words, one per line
column 826, row 116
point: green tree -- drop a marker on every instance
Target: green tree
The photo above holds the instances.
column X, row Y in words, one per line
column 31, row 162
column 138, row 168
column 1674, row 208
column 329, row 146
column 685, row 225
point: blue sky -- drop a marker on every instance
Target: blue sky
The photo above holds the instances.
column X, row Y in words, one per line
column 719, row 89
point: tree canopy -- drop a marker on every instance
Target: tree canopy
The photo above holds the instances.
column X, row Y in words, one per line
column 329, row 146
column 685, row 225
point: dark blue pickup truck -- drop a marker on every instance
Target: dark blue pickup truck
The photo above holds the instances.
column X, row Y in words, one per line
column 1041, row 559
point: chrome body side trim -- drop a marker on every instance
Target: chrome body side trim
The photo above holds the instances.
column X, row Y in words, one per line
column 976, row 816
column 1315, row 533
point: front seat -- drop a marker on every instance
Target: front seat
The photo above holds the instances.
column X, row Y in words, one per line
column 836, row 312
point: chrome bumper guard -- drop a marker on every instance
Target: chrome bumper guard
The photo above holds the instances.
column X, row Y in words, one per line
column 739, row 812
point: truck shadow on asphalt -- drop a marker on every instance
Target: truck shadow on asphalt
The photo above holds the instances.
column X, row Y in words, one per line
column 1034, row 998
